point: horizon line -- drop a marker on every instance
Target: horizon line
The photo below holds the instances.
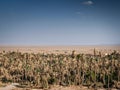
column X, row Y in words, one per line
column 59, row 45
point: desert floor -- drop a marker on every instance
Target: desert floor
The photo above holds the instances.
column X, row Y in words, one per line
column 61, row 49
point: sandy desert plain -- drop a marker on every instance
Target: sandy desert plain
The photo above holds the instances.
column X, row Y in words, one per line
column 62, row 49
column 73, row 70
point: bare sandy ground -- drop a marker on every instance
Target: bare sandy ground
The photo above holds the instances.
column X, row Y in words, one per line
column 61, row 49
column 13, row 87
column 9, row 87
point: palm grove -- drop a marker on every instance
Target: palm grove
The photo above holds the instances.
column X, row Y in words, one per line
column 44, row 70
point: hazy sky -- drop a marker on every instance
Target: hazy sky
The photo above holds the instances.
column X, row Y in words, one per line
column 59, row 22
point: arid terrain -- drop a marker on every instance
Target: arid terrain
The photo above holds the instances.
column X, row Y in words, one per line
column 59, row 67
column 61, row 49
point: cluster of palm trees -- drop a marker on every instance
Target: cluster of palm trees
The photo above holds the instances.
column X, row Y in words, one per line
column 43, row 70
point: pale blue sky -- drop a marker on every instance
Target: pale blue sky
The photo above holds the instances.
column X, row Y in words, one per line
column 59, row 22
